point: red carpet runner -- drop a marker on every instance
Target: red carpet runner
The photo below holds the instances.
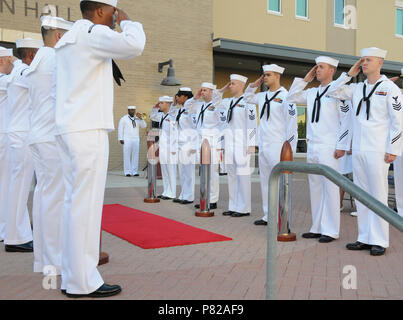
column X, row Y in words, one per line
column 149, row 231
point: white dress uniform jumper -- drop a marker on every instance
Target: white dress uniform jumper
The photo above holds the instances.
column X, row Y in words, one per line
column 278, row 124
column 47, row 211
column 377, row 125
column 168, row 150
column 209, row 127
column 328, row 130
column 398, row 174
column 240, row 134
column 18, row 226
column 187, row 141
column 84, row 116
column 128, row 131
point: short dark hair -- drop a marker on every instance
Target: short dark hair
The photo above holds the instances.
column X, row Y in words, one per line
column 88, row 7
column 44, row 32
column 187, row 94
column 23, row 52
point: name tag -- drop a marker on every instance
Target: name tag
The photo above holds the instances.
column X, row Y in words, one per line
column 278, row 100
column 211, row 108
column 381, row 93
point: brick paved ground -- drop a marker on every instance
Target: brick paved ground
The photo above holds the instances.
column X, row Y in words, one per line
column 225, row 270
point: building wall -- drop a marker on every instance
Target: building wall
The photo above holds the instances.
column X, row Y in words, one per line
column 182, row 35
column 250, row 22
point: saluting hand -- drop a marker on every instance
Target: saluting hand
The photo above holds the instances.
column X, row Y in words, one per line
column 198, row 94
column 225, row 88
column 355, row 69
column 121, row 16
column 258, row 82
column 311, row 74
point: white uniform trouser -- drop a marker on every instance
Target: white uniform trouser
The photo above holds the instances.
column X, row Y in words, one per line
column 85, row 164
column 398, row 173
column 223, row 167
column 47, row 209
column 131, row 156
column 239, row 183
column 370, row 173
column 325, row 196
column 18, row 226
column 186, row 166
column 4, row 178
column 269, row 156
column 168, row 172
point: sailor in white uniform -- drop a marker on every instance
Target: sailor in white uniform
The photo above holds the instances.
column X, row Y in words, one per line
column 129, row 136
column 47, row 209
column 328, row 134
column 187, row 147
column 278, row 124
column 18, row 237
column 164, row 114
column 209, row 126
column 377, row 141
column 240, row 143
column 6, row 66
column 398, row 175
column 84, row 116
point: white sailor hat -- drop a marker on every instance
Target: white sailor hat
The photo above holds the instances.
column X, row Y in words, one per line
column 208, row 85
column 4, row 52
column 113, row 3
column 166, row 99
column 373, row 52
column 328, row 60
column 49, row 22
column 185, row 89
column 273, row 68
column 29, row 43
column 131, row 108
column 239, row 78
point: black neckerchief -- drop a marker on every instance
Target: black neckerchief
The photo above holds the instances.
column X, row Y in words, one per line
column 201, row 115
column 133, row 121
column 231, row 109
column 367, row 99
column 162, row 119
column 267, row 104
column 178, row 117
column 317, row 104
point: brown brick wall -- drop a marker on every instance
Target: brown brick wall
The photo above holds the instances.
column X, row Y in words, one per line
column 175, row 29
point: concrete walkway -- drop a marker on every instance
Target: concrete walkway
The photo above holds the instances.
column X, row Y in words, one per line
column 226, row 270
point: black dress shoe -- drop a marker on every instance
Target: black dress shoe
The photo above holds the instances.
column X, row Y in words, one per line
column 177, row 200
column 325, row 239
column 377, row 251
column 260, row 222
column 63, row 291
column 103, row 291
column 310, row 235
column 136, row 175
column 159, row 197
column 238, row 214
column 128, row 175
column 227, row 213
column 186, row 202
column 358, row 246
column 26, row 247
column 166, row 198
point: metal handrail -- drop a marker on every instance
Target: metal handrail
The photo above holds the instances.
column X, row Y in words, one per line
column 362, row 196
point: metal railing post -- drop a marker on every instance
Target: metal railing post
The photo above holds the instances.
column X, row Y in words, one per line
column 360, row 195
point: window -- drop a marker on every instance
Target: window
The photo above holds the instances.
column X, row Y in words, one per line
column 301, row 8
column 339, row 12
column 399, row 22
column 274, row 6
